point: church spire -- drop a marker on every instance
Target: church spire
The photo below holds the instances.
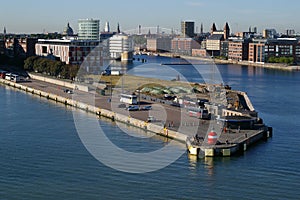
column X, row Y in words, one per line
column 201, row 28
column 213, row 28
column 226, row 31
column 118, row 29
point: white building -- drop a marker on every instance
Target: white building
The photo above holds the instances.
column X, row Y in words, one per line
column 88, row 29
column 120, row 44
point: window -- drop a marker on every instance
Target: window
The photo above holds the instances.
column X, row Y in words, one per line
column 44, row 49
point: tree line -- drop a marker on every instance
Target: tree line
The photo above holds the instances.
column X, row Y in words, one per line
column 286, row 60
column 51, row 67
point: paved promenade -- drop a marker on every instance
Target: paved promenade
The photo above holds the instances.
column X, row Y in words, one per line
column 173, row 118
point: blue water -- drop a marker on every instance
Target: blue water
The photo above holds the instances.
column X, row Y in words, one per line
column 42, row 156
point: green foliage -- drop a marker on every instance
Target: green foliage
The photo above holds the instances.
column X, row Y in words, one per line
column 221, row 57
column 51, row 67
column 139, row 40
column 286, row 60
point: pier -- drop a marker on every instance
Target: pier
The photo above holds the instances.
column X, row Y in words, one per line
column 182, row 129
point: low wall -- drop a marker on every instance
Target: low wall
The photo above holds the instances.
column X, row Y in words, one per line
column 59, row 82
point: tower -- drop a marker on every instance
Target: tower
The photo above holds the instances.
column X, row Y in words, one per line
column 118, row 29
column 4, row 31
column 188, row 29
column 213, row 28
column 201, row 29
column 140, row 29
column 106, row 27
column 226, row 31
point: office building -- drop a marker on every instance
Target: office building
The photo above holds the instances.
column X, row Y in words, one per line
column 257, row 51
column 162, row 44
column 23, row 47
column 184, row 46
column 121, row 45
column 238, row 49
column 188, row 29
column 88, row 29
column 73, row 52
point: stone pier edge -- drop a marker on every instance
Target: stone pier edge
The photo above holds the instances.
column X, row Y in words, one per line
column 208, row 151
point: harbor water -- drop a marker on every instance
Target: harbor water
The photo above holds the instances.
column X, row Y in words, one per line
column 42, row 156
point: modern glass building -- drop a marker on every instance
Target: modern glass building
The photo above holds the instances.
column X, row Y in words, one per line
column 187, row 29
column 88, row 29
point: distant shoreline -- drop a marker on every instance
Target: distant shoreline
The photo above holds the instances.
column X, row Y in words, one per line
column 277, row 66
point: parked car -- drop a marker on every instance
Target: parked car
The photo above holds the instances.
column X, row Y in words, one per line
column 68, row 91
column 146, row 108
column 132, row 108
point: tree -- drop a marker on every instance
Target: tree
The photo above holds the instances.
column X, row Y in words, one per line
column 29, row 63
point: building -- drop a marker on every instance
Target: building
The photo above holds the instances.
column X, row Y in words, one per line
column 184, row 46
column 238, row 49
column 213, row 44
column 199, row 52
column 73, row 52
column 2, row 47
column 120, row 45
column 225, row 31
column 257, row 51
column 88, row 29
column 262, row 50
column 162, row 44
column 68, row 31
column 270, row 33
column 214, row 41
column 24, row 47
column 282, row 47
column 188, row 29
column 224, row 49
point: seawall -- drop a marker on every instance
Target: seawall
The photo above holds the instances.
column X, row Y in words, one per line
column 278, row 66
column 100, row 112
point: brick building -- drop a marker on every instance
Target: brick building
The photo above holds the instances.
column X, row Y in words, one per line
column 72, row 51
column 238, row 49
column 21, row 47
column 162, row 44
column 184, row 46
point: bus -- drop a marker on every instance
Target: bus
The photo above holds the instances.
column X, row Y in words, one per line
column 199, row 113
column 129, row 99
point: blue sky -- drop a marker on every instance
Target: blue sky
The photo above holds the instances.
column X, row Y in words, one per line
column 32, row 16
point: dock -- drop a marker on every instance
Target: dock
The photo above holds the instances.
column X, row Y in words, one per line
column 178, row 126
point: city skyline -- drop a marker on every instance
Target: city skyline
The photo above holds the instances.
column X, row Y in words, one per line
column 37, row 17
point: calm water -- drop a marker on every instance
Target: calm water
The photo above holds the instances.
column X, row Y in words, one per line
column 42, row 156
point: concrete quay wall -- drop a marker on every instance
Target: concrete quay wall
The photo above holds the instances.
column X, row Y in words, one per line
column 278, row 66
column 100, row 112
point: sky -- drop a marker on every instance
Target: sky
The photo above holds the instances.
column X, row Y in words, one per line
column 38, row 16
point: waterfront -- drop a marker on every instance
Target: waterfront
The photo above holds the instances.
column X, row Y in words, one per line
column 44, row 158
